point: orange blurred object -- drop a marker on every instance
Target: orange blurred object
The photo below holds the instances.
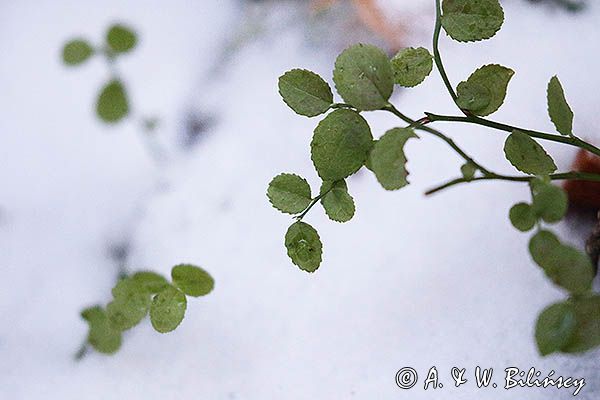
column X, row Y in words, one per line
column 371, row 16
column 584, row 194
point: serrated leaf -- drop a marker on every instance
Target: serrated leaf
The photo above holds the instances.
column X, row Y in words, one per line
column 411, row 66
column 112, row 104
column 76, row 52
column 522, row 217
column 484, row 91
column 468, row 170
column 192, row 280
column 289, row 193
column 559, row 111
column 121, row 38
column 305, row 92
column 587, row 329
column 304, row 246
column 101, row 336
column 130, row 304
column 564, row 265
column 387, row 159
column 471, row 20
column 550, row 202
column 337, row 202
column 363, row 77
column 526, row 155
column 151, row 281
column 340, row 145
column 167, row 309
column 555, row 328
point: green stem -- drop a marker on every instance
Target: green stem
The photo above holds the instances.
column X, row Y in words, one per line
column 312, row 203
column 81, row 352
column 569, row 140
column 436, row 50
column 449, row 141
column 581, row 176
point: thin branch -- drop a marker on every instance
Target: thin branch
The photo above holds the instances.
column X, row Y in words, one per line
column 449, row 141
column 581, row 176
column 571, row 141
column 436, row 51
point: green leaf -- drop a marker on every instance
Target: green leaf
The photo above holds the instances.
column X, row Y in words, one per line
column 411, row 66
column 526, row 155
column 340, row 145
column 151, row 281
column 76, row 52
column 130, row 304
column 559, row 111
column 167, row 309
column 192, row 280
column 338, row 204
column 305, row 92
column 484, row 91
column 120, row 38
column 541, row 246
column 564, row 265
column 112, row 104
column 555, row 328
column 363, row 77
column 289, row 193
column 387, row 159
column 550, row 202
column 522, row 217
column 587, row 328
column 471, row 20
column 101, row 336
column 304, row 246
column 468, row 170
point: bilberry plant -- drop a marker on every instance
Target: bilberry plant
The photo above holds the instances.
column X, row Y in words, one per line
column 343, row 143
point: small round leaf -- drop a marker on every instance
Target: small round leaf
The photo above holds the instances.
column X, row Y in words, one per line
column 289, row 193
column 337, row 202
column 387, row 159
column 468, row 170
column 559, row 111
column 304, row 246
column 555, row 328
column 526, row 155
column 101, row 336
column 305, row 92
column 564, row 265
column 120, row 38
column 550, row 202
column 167, row 309
column 522, row 217
column 587, row 329
column 192, row 280
column 363, row 77
column 152, row 281
column 341, row 144
column 484, row 91
column 130, row 304
column 472, row 20
column 411, row 66
column 76, row 52
column 112, row 104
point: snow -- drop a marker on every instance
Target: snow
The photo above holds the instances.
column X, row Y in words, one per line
column 410, row 281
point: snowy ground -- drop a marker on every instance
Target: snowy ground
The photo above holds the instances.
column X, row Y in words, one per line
column 410, row 281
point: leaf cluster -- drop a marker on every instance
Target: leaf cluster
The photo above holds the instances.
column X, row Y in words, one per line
column 112, row 103
column 140, row 294
column 343, row 143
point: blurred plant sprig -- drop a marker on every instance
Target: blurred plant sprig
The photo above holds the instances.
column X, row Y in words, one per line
column 343, row 143
column 140, row 294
